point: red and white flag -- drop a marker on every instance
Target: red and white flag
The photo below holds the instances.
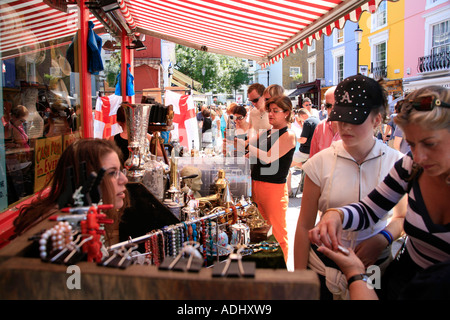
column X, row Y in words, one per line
column 184, row 120
column 105, row 122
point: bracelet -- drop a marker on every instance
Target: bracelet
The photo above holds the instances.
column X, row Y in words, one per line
column 341, row 213
column 387, row 235
column 357, row 277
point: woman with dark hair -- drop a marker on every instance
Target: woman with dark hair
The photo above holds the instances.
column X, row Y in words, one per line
column 97, row 154
column 242, row 127
column 272, row 151
column 121, row 139
column 207, row 135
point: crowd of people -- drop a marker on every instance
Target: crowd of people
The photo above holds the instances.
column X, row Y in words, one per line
column 360, row 193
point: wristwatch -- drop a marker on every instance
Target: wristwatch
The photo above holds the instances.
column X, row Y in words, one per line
column 364, row 277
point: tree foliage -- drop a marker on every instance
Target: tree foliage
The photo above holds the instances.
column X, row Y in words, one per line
column 222, row 73
column 112, row 68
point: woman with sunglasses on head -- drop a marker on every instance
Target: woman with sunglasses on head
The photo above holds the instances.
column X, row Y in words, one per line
column 270, row 155
column 424, row 175
column 242, row 127
column 97, row 154
column 345, row 172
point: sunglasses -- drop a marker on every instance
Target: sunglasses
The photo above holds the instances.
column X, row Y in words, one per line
column 255, row 100
column 328, row 105
column 422, row 103
column 240, row 118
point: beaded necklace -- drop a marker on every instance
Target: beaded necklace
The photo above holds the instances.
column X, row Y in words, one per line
column 204, row 240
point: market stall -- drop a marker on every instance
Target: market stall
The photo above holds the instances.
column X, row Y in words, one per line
column 186, row 246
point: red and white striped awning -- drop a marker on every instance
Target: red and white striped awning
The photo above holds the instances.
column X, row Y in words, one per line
column 27, row 26
column 261, row 30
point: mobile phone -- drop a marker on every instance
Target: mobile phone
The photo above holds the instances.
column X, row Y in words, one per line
column 343, row 250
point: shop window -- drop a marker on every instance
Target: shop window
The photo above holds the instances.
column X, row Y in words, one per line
column 40, row 113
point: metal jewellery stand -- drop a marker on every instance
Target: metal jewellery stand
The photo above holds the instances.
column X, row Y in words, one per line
column 143, row 238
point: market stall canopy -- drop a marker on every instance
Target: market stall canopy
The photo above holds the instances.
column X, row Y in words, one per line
column 299, row 91
column 261, row 30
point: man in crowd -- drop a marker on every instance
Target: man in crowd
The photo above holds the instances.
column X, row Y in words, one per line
column 258, row 118
column 307, row 104
column 309, row 125
column 326, row 131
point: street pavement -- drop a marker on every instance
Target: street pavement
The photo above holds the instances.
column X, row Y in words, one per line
column 292, row 217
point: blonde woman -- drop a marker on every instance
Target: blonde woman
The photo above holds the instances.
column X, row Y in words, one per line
column 424, row 175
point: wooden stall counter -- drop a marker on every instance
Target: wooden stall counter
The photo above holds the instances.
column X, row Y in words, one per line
column 23, row 275
column 27, row 278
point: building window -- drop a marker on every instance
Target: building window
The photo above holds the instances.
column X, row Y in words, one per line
column 440, row 38
column 380, row 55
column 338, row 37
column 379, row 63
column 312, row 69
column 338, row 64
column 293, row 71
column 378, row 50
column 312, row 47
column 379, row 19
column 339, row 74
column 433, row 3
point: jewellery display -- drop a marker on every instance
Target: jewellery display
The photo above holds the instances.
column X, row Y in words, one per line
column 121, row 258
column 188, row 259
column 60, row 235
column 214, row 233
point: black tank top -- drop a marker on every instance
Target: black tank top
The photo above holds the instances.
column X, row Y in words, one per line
column 123, row 145
column 277, row 171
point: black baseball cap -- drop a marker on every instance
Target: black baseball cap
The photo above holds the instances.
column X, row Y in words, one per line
column 355, row 97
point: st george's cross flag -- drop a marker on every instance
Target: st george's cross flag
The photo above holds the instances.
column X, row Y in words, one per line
column 105, row 122
column 184, row 120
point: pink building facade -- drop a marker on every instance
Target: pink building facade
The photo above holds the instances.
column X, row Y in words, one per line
column 427, row 44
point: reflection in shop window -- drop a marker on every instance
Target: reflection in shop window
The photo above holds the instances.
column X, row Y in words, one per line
column 38, row 81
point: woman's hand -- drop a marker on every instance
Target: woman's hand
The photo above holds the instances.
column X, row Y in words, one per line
column 349, row 264
column 370, row 249
column 328, row 231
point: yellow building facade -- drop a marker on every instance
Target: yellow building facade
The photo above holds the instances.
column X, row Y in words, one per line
column 381, row 52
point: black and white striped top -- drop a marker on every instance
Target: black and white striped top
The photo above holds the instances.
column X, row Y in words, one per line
column 427, row 243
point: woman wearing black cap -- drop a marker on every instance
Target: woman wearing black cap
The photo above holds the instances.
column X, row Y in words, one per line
column 423, row 174
column 346, row 172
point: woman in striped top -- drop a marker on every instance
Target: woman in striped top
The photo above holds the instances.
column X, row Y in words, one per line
column 424, row 174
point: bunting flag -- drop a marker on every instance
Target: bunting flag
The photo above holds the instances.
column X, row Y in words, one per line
column 184, row 120
column 105, row 122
